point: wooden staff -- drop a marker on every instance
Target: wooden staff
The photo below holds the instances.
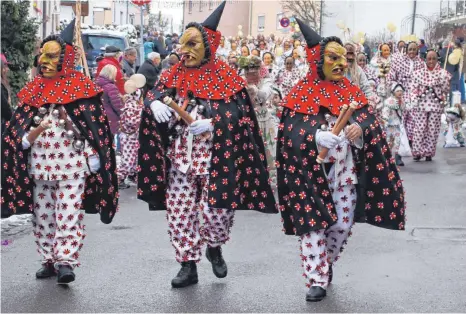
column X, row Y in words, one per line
column 183, row 114
column 343, row 118
column 78, row 41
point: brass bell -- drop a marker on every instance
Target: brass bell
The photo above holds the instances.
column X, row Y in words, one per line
column 37, row 120
column 62, row 122
column 179, row 129
column 69, row 134
column 42, row 110
column 78, row 144
column 193, row 102
column 423, row 95
column 201, row 108
column 32, row 128
column 323, row 127
column 171, row 138
column 327, row 116
column 55, row 113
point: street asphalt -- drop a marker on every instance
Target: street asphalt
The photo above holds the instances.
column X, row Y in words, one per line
column 127, row 266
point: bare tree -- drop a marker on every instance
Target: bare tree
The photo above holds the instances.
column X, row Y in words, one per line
column 158, row 22
column 309, row 11
column 380, row 37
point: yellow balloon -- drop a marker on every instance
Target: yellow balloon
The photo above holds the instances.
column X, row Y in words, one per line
column 240, row 34
column 240, row 27
column 453, row 59
column 361, row 35
column 341, row 24
column 296, row 28
column 362, row 40
column 391, row 27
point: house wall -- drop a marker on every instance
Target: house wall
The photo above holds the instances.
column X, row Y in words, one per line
column 236, row 13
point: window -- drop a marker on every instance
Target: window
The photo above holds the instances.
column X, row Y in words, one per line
column 200, row 5
column 261, row 23
column 279, row 17
column 190, row 6
column 211, row 4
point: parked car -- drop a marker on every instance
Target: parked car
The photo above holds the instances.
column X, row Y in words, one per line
column 95, row 41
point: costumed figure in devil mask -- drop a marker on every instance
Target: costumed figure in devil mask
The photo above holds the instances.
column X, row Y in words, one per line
column 328, row 179
column 58, row 158
column 207, row 159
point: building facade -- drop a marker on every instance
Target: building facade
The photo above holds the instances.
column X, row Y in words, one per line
column 47, row 12
column 237, row 12
column 265, row 19
column 105, row 12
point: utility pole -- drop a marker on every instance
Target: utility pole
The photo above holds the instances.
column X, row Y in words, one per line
column 414, row 17
column 127, row 11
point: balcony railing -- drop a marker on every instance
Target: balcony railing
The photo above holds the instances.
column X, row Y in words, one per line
column 453, row 11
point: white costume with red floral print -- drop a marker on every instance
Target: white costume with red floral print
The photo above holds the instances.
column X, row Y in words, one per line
column 401, row 72
column 58, row 219
column 429, row 92
column 59, row 172
column 187, row 194
column 321, row 248
column 129, row 126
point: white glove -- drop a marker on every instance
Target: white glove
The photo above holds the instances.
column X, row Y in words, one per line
column 25, row 141
column 94, row 163
column 201, row 126
column 162, row 112
column 327, row 139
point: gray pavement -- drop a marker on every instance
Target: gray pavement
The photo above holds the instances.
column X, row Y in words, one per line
column 127, row 266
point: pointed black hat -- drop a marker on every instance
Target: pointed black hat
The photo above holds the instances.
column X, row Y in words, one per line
column 68, row 33
column 213, row 20
column 312, row 38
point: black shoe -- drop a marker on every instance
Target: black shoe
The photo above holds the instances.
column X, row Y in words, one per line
column 219, row 267
column 399, row 161
column 330, row 274
column 186, row 276
column 65, row 275
column 46, row 271
column 410, row 144
column 316, row 294
column 428, row 158
column 417, row 158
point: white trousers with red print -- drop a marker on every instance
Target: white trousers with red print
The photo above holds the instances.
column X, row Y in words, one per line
column 57, row 220
column 321, row 247
column 426, row 132
column 129, row 155
column 408, row 122
column 186, row 199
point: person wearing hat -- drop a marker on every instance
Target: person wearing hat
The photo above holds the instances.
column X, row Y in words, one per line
column 210, row 166
column 329, row 179
column 58, row 158
column 130, row 120
column 391, row 116
column 112, row 56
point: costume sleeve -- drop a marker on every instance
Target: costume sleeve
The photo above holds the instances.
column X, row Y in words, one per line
column 364, row 83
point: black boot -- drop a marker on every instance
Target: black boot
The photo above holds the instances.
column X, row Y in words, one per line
column 399, row 161
column 219, row 267
column 186, row 276
column 65, row 274
column 429, row 158
column 316, row 294
column 46, row 271
column 330, row 274
column 416, row 158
